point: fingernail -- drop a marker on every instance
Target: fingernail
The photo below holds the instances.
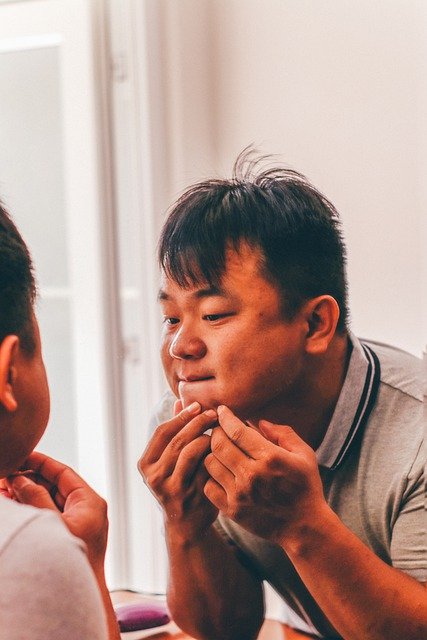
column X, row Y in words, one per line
column 210, row 413
column 194, row 407
column 220, row 408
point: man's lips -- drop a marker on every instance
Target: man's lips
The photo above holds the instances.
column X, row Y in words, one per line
column 194, row 378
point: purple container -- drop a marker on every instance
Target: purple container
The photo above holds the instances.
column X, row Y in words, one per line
column 141, row 615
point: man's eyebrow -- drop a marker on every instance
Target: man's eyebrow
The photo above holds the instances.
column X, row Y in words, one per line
column 208, row 292
column 162, row 295
column 199, row 294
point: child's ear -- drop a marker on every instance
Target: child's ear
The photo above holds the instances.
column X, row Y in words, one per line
column 8, row 352
column 322, row 315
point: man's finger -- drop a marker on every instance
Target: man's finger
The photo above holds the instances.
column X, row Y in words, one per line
column 28, row 492
column 282, row 435
column 195, row 428
column 248, row 440
column 57, row 475
column 4, row 489
column 216, row 494
column 48, row 468
column 190, row 459
column 220, row 473
column 227, row 452
column 168, row 456
column 166, row 431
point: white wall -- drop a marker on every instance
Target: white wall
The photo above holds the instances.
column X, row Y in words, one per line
column 339, row 90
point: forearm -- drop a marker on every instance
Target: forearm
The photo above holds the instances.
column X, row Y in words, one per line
column 362, row 596
column 112, row 625
column 210, row 594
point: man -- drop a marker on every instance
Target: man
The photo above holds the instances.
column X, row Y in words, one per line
column 312, row 478
column 52, row 584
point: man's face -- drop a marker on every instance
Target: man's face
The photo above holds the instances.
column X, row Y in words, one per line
column 232, row 346
column 26, row 425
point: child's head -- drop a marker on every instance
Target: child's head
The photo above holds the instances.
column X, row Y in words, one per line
column 24, row 394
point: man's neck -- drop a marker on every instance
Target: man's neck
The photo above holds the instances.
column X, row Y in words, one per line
column 309, row 408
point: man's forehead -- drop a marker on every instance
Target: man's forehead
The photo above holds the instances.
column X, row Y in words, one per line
column 244, row 256
column 169, row 288
column 242, row 265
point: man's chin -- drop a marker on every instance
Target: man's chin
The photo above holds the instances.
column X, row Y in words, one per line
column 204, row 401
column 205, row 404
column 213, row 403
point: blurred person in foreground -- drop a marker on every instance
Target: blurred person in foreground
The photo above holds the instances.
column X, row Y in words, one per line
column 53, row 529
column 312, row 477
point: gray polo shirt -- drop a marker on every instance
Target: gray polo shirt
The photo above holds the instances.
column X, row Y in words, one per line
column 371, row 461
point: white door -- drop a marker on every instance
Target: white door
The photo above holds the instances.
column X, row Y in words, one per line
column 52, row 179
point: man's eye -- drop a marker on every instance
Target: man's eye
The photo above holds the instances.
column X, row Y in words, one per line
column 212, row 317
column 170, row 321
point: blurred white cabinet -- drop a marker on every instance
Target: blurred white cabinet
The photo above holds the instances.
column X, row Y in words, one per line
column 52, row 179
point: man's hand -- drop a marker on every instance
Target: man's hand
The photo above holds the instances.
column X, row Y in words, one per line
column 172, row 468
column 57, row 487
column 267, row 482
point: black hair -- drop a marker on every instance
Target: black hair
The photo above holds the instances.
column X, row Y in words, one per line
column 276, row 210
column 17, row 285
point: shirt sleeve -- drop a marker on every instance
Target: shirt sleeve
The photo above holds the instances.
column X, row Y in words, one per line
column 47, row 588
column 409, row 537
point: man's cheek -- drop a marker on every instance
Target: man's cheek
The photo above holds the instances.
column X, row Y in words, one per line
column 169, row 373
column 166, row 358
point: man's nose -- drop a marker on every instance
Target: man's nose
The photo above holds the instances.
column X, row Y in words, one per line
column 185, row 346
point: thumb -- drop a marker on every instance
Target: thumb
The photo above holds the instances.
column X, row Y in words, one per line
column 281, row 435
column 28, row 492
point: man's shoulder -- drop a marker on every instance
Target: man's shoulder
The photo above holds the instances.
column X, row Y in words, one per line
column 14, row 517
column 44, row 566
column 34, row 527
column 400, row 370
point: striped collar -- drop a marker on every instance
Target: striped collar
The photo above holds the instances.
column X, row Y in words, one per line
column 355, row 402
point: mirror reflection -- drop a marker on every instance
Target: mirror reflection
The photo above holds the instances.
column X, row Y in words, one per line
column 108, row 113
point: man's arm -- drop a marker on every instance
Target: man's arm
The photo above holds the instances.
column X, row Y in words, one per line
column 83, row 511
column 360, row 594
column 271, row 486
column 210, row 594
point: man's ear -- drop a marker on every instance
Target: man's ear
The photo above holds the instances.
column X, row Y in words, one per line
column 8, row 352
column 322, row 314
